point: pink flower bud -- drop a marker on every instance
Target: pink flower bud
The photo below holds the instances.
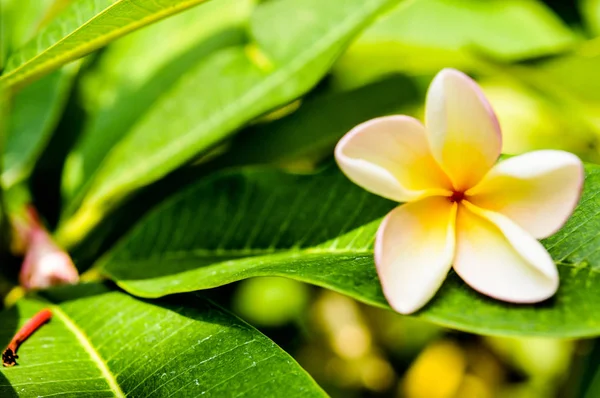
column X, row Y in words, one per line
column 45, row 263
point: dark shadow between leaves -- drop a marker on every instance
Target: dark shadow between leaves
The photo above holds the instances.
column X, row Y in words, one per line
column 45, row 179
column 199, row 308
column 61, row 294
column 6, row 390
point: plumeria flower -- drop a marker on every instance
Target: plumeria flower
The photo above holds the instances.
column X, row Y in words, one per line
column 462, row 210
column 45, row 263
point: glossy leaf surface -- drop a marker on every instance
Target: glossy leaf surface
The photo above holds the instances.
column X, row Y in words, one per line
column 320, row 229
column 104, row 343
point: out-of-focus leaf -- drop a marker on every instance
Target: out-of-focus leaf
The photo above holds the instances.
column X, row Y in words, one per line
column 83, row 27
column 574, row 74
column 321, row 121
column 530, row 122
column 590, row 10
column 536, row 357
column 320, row 229
column 3, row 34
column 19, row 20
column 569, row 83
column 135, row 70
column 104, row 343
column 4, row 225
column 588, row 383
column 295, row 43
column 35, row 112
column 424, row 36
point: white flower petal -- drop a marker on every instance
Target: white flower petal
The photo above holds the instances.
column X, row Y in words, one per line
column 463, row 130
column 390, row 157
column 414, row 250
column 498, row 258
column 538, row 190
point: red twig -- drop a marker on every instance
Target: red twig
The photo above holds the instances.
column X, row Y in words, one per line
column 9, row 356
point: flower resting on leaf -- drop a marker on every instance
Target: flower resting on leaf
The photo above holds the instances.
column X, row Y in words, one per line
column 462, row 209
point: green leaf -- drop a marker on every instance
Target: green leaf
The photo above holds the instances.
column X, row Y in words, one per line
column 590, row 10
column 4, row 224
column 4, row 40
column 231, row 87
column 135, row 70
column 35, row 113
column 80, row 29
column 21, row 19
column 106, row 343
column 320, row 229
column 568, row 84
column 313, row 130
column 403, row 40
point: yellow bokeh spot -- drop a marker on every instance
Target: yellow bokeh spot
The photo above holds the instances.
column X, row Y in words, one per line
column 437, row 373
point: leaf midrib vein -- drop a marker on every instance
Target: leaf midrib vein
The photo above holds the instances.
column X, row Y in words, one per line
column 270, row 81
column 235, row 255
column 87, row 346
column 243, row 253
column 103, row 39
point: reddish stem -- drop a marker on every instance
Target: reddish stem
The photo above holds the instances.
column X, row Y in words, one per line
column 9, row 356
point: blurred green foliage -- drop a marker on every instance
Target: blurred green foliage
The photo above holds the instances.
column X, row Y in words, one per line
column 538, row 62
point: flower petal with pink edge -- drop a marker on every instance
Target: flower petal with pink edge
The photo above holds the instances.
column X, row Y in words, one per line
column 499, row 259
column 538, row 190
column 463, row 130
column 413, row 251
column 390, row 157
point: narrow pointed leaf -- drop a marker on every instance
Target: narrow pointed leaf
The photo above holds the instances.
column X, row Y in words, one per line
column 80, row 29
column 287, row 57
column 133, row 72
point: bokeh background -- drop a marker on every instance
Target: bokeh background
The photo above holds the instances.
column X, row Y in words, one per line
column 539, row 64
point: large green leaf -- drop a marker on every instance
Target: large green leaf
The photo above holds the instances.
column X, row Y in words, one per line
column 104, row 343
column 320, row 229
column 135, row 70
column 35, row 112
column 404, row 40
column 83, row 27
column 288, row 56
